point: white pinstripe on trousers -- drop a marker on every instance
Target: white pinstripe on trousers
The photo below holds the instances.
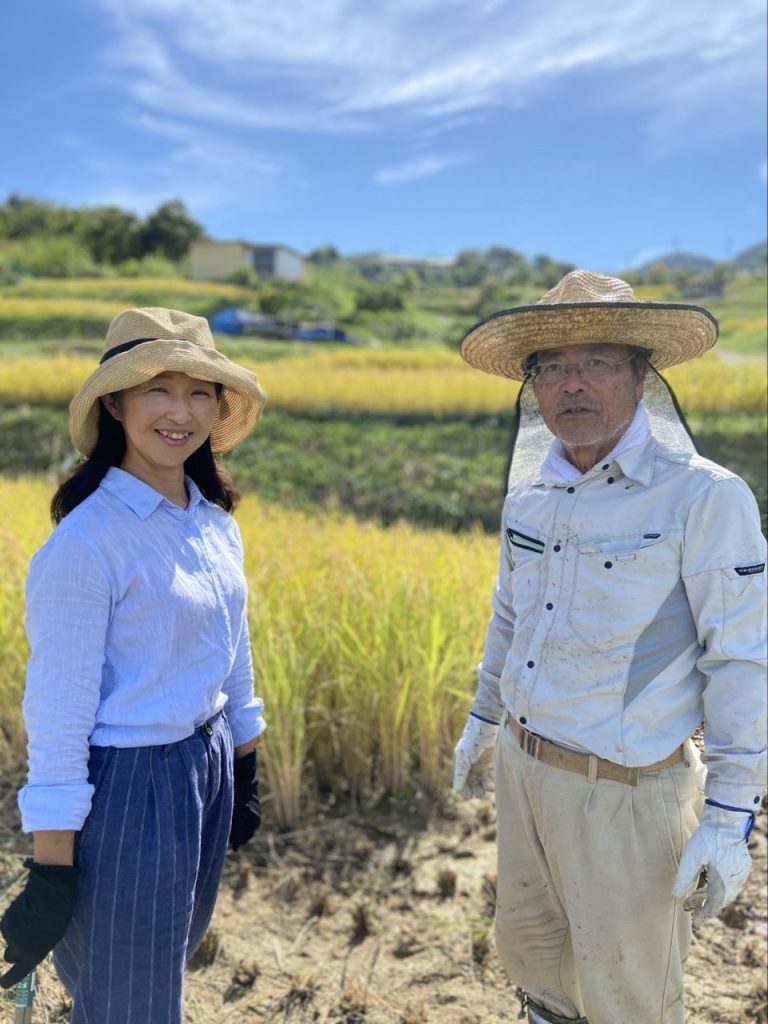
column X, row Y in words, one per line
column 150, row 857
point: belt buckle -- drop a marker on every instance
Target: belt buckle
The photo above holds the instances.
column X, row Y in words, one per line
column 531, row 745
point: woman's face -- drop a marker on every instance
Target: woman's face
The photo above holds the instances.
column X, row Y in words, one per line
column 165, row 420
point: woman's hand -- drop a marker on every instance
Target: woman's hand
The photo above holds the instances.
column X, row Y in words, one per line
column 38, row 918
column 246, row 813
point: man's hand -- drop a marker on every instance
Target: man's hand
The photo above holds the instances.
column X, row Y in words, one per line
column 246, row 812
column 474, row 757
column 38, row 918
column 718, row 845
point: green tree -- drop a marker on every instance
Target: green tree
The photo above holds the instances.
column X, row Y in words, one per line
column 324, row 255
column 52, row 256
column 494, row 296
column 507, row 263
column 470, row 268
column 170, row 231
column 658, row 273
column 377, row 297
column 110, row 234
column 547, row 272
column 25, row 217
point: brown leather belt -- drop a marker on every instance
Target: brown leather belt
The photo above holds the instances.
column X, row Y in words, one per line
column 589, row 765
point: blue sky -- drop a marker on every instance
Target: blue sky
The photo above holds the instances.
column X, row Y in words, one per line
column 595, row 131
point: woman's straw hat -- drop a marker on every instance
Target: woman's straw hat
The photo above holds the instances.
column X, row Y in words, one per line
column 140, row 344
column 586, row 308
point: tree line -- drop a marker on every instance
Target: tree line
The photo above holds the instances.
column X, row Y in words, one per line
column 50, row 239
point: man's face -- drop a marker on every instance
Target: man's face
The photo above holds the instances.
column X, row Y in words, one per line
column 584, row 413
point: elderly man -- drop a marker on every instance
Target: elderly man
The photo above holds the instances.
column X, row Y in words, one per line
column 629, row 609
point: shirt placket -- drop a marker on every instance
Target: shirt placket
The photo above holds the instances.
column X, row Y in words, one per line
column 553, row 585
column 207, row 563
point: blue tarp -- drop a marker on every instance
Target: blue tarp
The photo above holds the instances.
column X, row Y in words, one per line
column 238, row 321
column 241, row 321
column 319, row 332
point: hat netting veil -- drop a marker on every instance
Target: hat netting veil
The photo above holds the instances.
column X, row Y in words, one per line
column 531, row 439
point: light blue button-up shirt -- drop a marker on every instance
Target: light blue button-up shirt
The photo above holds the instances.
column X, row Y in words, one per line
column 138, row 633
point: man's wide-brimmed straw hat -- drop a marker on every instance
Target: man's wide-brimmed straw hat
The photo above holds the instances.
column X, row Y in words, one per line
column 140, row 344
column 586, row 308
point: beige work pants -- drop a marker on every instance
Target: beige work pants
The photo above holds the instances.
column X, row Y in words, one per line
column 585, row 920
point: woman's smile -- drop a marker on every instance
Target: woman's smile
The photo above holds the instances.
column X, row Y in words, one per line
column 174, row 438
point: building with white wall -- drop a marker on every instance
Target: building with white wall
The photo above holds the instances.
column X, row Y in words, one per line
column 216, row 261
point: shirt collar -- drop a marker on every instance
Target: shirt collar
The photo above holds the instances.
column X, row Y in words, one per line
column 637, row 463
column 140, row 497
column 629, row 452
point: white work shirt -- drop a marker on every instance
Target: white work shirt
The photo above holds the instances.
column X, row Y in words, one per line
column 630, row 608
column 138, row 633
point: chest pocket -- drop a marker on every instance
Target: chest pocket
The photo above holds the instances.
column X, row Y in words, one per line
column 619, row 586
column 525, row 552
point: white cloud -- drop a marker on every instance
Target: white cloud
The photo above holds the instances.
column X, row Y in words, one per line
column 199, row 149
column 419, row 167
column 209, row 171
column 345, row 65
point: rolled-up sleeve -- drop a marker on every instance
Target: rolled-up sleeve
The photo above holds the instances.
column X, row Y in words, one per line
column 724, row 575
column 69, row 604
column 244, row 709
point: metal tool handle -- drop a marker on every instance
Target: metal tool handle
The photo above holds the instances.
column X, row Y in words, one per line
column 25, row 996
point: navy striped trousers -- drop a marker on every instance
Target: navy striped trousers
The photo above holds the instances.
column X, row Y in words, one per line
column 150, row 856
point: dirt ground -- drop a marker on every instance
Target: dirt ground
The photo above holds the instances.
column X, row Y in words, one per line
column 372, row 918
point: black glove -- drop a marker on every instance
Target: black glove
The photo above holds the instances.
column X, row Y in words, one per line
column 38, row 918
column 246, row 813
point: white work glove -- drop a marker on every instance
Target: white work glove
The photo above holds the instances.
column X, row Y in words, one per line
column 474, row 757
column 719, row 846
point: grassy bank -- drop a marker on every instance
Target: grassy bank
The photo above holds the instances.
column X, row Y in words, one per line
column 436, row 473
column 434, row 315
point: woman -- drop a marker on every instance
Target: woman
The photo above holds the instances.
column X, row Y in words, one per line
column 139, row 703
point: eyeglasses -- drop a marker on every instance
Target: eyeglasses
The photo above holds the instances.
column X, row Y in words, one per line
column 595, row 369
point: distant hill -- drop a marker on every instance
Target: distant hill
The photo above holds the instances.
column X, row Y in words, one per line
column 689, row 261
column 753, row 258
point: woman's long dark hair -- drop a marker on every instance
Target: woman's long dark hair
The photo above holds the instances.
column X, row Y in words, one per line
column 214, row 483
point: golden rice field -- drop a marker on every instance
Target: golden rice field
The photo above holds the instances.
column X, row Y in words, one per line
column 42, row 294
column 364, row 640
column 433, row 382
column 21, row 308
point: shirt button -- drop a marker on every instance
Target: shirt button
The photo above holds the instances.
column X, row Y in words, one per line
column 530, row 664
column 550, row 606
column 606, row 465
column 523, row 720
column 609, row 565
column 571, row 490
column 610, row 479
column 557, row 547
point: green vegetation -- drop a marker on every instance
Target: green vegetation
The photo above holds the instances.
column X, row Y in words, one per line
column 106, row 255
column 50, row 240
column 741, row 312
column 65, row 272
column 364, row 637
column 387, row 314
column 446, row 473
